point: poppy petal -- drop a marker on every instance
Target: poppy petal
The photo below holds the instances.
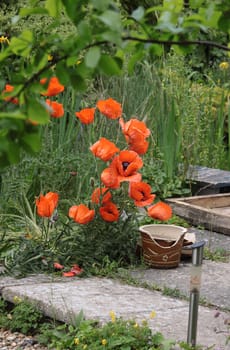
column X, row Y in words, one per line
column 68, row 274
column 141, row 193
column 86, row 115
column 109, row 212
column 76, row 269
column 109, row 178
column 46, row 204
column 110, row 108
column 57, row 110
column 101, row 195
column 135, row 132
column 104, row 149
column 58, row 266
column 8, row 89
column 160, row 211
column 127, row 163
column 134, row 127
column 54, row 86
column 81, row 214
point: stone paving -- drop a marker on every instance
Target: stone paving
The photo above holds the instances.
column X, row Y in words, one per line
column 64, row 298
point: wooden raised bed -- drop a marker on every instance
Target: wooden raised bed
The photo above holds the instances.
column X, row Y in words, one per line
column 210, row 211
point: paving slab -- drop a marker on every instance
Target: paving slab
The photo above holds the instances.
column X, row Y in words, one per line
column 98, row 296
column 213, row 240
column 215, row 281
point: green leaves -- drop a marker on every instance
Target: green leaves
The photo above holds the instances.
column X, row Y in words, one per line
column 139, row 13
column 210, row 15
column 53, row 7
column 109, row 65
column 32, row 142
column 224, row 23
column 23, row 44
column 37, row 112
column 15, row 134
column 92, row 57
column 112, row 19
column 76, row 10
column 12, row 115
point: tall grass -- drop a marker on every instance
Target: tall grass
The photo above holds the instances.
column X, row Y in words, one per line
column 188, row 119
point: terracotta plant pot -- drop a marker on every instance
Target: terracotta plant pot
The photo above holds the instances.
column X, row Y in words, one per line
column 162, row 244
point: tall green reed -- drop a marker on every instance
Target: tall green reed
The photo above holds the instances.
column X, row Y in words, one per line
column 187, row 118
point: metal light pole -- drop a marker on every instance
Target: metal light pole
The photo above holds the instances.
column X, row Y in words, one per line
column 195, row 281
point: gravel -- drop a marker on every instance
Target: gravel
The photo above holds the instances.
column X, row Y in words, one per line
column 18, row 341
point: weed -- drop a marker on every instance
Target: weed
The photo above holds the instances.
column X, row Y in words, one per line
column 219, row 254
column 115, row 334
column 23, row 316
column 173, row 292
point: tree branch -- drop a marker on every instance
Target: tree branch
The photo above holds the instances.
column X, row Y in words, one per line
column 179, row 42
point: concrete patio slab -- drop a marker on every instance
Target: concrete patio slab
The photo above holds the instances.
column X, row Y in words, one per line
column 98, row 296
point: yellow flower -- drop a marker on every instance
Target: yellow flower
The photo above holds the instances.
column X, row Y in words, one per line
column 104, row 342
column 136, row 325
column 152, row 314
column 112, row 316
column 16, row 299
column 50, row 58
column 224, row 65
column 4, row 39
column 76, row 341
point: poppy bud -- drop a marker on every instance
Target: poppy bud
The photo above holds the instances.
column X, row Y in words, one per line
column 92, row 181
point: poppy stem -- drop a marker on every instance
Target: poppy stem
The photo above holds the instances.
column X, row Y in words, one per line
column 45, row 230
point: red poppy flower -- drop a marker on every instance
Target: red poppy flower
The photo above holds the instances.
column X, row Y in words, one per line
column 109, row 178
column 134, row 126
column 81, row 214
column 109, row 212
column 110, row 108
column 160, row 211
column 135, row 132
column 58, row 266
column 101, row 195
column 9, row 88
column 46, row 204
column 141, row 193
column 54, row 86
column 57, row 108
column 104, row 149
column 86, row 115
column 126, row 165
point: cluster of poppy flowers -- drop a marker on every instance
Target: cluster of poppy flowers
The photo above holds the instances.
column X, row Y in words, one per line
column 54, row 87
column 122, row 165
